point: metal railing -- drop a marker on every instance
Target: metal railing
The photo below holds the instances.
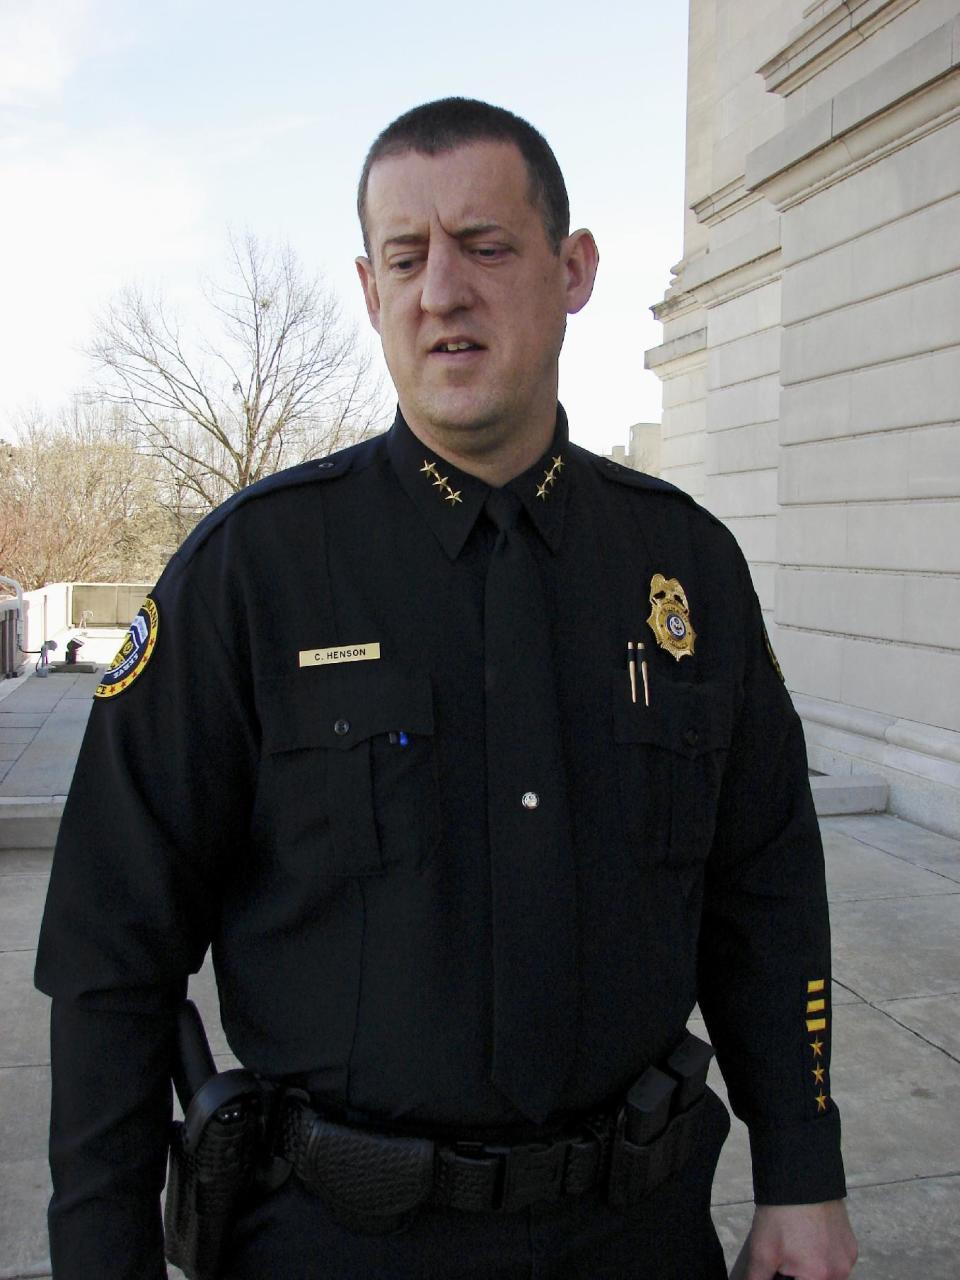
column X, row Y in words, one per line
column 11, row 630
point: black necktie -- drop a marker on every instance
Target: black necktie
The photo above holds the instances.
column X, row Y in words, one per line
column 531, row 858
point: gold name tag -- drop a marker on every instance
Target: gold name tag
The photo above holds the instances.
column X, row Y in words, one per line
column 342, row 653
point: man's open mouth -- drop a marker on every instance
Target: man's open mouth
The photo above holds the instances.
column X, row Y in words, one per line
column 451, row 348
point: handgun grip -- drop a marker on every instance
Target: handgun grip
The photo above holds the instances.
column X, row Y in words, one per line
column 194, row 1063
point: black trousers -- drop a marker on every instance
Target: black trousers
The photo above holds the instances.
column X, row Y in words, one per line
column 670, row 1236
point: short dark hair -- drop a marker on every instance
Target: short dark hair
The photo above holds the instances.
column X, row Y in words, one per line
column 448, row 123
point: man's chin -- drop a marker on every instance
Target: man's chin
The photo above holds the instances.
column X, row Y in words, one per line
column 466, row 422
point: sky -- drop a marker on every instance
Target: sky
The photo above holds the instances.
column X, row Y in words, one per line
column 136, row 135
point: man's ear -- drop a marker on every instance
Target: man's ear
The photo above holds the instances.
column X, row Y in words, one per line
column 580, row 257
column 371, row 294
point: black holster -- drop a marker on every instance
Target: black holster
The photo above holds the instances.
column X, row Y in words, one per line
column 217, row 1153
column 213, row 1159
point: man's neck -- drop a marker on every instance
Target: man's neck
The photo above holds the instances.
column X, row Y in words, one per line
column 495, row 461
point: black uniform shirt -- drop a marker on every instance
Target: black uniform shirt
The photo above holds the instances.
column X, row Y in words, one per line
column 320, row 817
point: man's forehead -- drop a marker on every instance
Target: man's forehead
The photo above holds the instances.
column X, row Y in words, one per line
column 479, row 183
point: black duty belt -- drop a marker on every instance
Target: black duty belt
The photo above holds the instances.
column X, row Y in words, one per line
column 373, row 1181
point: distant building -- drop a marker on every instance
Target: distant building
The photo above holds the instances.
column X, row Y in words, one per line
column 643, row 450
column 811, row 361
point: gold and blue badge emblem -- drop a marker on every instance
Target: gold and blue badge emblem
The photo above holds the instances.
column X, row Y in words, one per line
column 670, row 617
column 134, row 653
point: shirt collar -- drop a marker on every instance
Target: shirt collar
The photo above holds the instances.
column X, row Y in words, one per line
column 450, row 500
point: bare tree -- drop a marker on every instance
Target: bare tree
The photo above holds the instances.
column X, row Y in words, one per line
column 79, row 502
column 277, row 379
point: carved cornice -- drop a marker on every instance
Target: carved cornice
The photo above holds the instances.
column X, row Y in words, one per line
column 828, row 31
column 743, row 264
column 786, row 180
column 735, row 197
column 691, row 344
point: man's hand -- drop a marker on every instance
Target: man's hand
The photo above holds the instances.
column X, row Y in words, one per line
column 807, row 1241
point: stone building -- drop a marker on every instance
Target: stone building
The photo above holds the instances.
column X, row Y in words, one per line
column 811, row 361
column 642, row 450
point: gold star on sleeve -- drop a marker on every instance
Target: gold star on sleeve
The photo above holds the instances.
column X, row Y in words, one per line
column 558, row 462
column 818, row 1074
column 817, row 1047
column 428, row 468
column 821, row 1101
column 542, row 492
column 453, row 497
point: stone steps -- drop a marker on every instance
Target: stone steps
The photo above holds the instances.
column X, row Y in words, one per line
column 851, row 793
column 30, row 822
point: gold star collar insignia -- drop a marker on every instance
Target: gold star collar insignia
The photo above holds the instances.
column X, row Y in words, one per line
column 451, row 495
column 550, row 477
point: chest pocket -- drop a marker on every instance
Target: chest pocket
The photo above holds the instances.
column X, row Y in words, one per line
column 349, row 778
column 670, row 759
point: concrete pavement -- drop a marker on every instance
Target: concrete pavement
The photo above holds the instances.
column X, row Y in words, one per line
column 895, row 894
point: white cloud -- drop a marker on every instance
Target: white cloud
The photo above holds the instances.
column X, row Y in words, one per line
column 87, row 217
column 41, row 42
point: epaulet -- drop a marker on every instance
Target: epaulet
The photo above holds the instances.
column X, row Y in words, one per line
column 619, row 474
column 354, row 457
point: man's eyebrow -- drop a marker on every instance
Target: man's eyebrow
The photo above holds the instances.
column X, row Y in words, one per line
column 477, row 229
column 464, row 233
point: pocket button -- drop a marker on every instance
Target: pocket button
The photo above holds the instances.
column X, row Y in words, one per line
column 341, row 727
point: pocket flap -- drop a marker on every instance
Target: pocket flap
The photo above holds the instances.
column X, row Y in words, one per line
column 687, row 718
column 339, row 707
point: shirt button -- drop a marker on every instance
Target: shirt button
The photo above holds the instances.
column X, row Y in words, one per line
column 341, row 727
column 530, row 800
column 691, row 737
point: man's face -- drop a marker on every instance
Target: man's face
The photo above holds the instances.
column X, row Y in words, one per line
column 468, row 296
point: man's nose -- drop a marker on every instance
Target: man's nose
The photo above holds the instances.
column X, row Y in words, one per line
column 446, row 284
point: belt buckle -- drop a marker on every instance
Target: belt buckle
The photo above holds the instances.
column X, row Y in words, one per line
column 531, row 1173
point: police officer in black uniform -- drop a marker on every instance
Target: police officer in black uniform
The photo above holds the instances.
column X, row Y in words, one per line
column 467, row 754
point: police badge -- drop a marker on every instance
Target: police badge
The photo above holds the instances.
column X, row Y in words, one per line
column 670, row 616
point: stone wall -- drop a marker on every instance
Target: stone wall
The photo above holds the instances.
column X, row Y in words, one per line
column 811, row 361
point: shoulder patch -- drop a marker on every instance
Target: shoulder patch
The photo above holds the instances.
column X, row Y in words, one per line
column 134, row 653
column 770, row 653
